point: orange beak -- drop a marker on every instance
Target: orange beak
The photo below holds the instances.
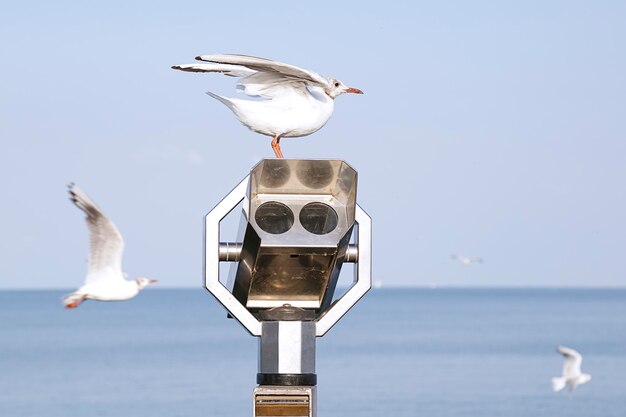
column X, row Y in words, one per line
column 354, row 91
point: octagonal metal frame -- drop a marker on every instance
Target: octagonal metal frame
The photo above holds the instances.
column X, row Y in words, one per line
column 362, row 273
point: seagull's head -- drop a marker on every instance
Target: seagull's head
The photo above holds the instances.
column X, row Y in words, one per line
column 144, row 282
column 336, row 88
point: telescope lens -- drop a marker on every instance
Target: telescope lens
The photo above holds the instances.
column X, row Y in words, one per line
column 315, row 174
column 318, row 218
column 275, row 173
column 274, row 217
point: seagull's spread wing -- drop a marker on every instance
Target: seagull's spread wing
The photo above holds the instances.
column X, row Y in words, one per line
column 230, row 70
column 259, row 76
column 106, row 243
column 267, row 65
column 573, row 360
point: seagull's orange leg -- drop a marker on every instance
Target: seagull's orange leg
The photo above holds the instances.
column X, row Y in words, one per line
column 276, row 147
column 75, row 303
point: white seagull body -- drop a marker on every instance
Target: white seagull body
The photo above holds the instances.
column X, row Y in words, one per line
column 295, row 102
column 572, row 375
column 105, row 280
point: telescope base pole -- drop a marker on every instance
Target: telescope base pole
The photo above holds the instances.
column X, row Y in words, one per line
column 272, row 400
column 286, row 378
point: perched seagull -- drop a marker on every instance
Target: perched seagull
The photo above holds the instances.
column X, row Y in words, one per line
column 105, row 280
column 572, row 376
column 466, row 260
column 296, row 102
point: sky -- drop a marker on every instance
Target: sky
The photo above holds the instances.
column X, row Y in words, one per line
column 487, row 129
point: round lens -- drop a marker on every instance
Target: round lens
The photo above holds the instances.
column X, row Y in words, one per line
column 318, row 218
column 275, row 173
column 274, row 217
column 315, row 174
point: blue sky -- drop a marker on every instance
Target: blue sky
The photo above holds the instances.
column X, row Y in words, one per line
column 486, row 129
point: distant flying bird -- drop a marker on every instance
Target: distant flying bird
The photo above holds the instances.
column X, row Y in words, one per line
column 296, row 102
column 105, row 280
column 572, row 376
column 466, row 260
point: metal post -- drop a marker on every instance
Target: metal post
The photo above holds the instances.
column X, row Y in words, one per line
column 301, row 216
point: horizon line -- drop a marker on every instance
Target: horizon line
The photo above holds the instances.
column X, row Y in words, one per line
column 386, row 287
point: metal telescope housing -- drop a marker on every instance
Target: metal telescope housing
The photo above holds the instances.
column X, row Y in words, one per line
column 301, row 216
column 266, row 258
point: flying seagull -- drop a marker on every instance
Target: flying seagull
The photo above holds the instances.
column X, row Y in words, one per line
column 105, row 280
column 295, row 102
column 572, row 376
column 466, row 260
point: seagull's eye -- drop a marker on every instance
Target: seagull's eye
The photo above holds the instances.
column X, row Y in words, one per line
column 336, row 84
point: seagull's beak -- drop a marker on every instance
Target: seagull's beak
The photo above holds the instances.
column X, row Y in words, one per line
column 152, row 281
column 354, row 91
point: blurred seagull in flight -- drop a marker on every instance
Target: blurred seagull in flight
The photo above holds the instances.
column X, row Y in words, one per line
column 105, row 280
column 466, row 260
column 572, row 376
column 296, row 102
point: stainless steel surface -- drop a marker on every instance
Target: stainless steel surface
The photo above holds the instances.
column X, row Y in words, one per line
column 286, row 313
column 301, row 215
column 272, row 401
column 287, row 347
column 352, row 254
column 212, row 259
column 362, row 276
column 283, row 281
column 229, row 251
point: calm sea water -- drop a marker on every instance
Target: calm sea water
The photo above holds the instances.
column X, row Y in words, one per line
column 444, row 352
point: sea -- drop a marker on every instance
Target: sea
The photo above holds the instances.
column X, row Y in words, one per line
column 398, row 352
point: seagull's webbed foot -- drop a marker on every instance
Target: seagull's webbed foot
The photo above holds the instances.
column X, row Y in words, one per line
column 74, row 301
column 276, row 147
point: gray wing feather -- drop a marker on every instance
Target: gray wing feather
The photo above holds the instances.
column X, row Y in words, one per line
column 573, row 360
column 106, row 242
column 269, row 85
column 229, row 70
column 267, row 65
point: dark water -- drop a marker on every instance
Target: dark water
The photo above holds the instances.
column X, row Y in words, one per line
column 397, row 353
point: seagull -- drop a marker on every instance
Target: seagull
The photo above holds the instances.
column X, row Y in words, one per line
column 294, row 101
column 572, row 376
column 466, row 260
column 105, row 280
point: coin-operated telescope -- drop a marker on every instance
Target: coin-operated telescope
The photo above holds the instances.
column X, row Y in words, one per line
column 301, row 217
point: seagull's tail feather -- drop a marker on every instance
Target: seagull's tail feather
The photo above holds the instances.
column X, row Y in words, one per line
column 224, row 100
column 558, row 384
column 73, row 300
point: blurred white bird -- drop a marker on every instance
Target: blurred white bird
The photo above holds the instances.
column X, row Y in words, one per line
column 297, row 102
column 466, row 260
column 105, row 280
column 572, row 376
